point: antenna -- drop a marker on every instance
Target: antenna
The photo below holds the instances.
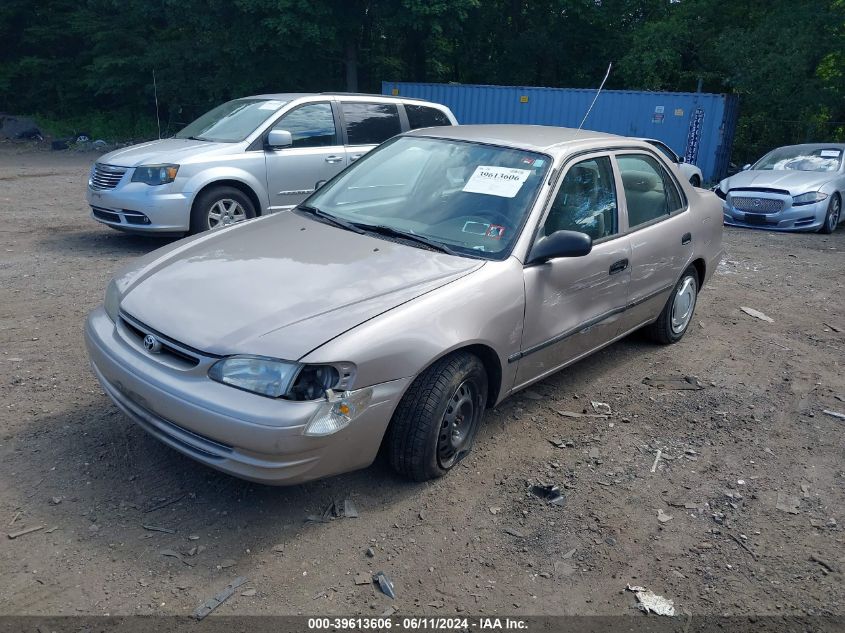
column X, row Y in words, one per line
column 598, row 92
column 155, row 92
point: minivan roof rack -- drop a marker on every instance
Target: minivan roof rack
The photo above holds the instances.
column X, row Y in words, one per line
column 370, row 94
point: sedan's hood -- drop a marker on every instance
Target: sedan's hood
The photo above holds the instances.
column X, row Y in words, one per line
column 795, row 182
column 169, row 150
column 279, row 286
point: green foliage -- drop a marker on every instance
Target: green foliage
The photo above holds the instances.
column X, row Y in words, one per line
column 90, row 63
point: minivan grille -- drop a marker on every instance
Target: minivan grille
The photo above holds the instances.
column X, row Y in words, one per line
column 106, row 176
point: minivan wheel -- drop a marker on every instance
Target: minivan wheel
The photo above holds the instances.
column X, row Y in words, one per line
column 834, row 211
column 220, row 206
column 676, row 315
column 436, row 422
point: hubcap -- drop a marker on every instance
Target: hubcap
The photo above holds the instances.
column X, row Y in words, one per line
column 683, row 305
column 835, row 207
column 225, row 212
column 458, row 425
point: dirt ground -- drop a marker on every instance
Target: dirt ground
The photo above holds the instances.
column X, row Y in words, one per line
column 751, row 470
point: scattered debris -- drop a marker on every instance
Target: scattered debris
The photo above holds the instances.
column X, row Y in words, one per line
column 787, row 503
column 385, row 584
column 165, row 503
column 388, row 612
column 562, row 443
column 15, row 518
column 212, row 603
column 513, row 532
column 174, row 554
column 650, row 602
column 742, row 544
column 573, row 414
column 601, row 407
column 656, row 460
column 824, row 563
column 249, row 593
column 29, row 530
column 832, row 327
column 757, row 314
column 550, row 493
column 335, row 510
column 155, row 528
column 495, row 510
column 569, row 554
column 226, row 563
column 663, row 517
column 363, row 579
column 56, row 500
column 678, row 383
column 370, row 552
column 835, row 414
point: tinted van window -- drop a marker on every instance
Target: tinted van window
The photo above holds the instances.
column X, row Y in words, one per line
column 424, row 116
column 311, row 125
column 371, row 123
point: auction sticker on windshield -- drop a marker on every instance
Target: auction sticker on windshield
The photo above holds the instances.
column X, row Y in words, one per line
column 504, row 182
column 830, row 153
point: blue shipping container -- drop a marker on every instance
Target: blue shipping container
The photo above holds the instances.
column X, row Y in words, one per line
column 699, row 126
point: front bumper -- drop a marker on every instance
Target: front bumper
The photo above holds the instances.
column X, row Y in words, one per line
column 136, row 207
column 807, row 217
column 243, row 434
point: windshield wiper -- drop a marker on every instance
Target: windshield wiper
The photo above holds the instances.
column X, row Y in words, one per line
column 405, row 235
column 331, row 219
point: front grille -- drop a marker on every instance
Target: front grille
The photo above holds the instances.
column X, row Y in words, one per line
column 169, row 348
column 105, row 177
column 757, row 205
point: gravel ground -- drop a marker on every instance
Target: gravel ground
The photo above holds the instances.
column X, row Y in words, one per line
column 741, row 514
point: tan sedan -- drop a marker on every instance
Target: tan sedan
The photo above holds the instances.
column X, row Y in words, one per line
column 443, row 272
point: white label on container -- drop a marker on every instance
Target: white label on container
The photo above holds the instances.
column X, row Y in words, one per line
column 504, row 182
column 830, row 153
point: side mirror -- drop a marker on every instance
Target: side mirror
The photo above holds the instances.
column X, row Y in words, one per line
column 278, row 139
column 746, row 167
column 560, row 244
column 682, row 159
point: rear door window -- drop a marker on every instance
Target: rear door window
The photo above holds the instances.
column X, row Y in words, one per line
column 649, row 190
column 425, row 116
column 370, row 123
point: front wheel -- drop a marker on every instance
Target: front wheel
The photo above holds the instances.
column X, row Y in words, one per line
column 220, row 206
column 676, row 315
column 435, row 424
column 834, row 211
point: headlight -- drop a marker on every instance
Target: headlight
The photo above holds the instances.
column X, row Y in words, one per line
column 337, row 411
column 112, row 300
column 155, row 174
column 264, row 376
column 718, row 191
column 808, row 198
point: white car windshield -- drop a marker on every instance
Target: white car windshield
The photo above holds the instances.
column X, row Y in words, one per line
column 231, row 122
column 469, row 198
column 801, row 159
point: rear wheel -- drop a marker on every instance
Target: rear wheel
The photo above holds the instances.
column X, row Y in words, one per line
column 695, row 181
column 834, row 214
column 437, row 419
column 220, row 206
column 676, row 315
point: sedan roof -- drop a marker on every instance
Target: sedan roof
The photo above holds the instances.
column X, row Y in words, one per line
column 529, row 137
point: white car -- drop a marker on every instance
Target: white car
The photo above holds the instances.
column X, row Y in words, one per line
column 687, row 170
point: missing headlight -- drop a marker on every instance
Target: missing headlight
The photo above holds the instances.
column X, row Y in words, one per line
column 313, row 382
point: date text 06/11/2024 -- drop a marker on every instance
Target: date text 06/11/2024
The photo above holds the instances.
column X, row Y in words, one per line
column 417, row 624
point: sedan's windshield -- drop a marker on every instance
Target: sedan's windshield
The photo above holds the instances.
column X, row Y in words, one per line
column 801, row 159
column 470, row 198
column 231, row 122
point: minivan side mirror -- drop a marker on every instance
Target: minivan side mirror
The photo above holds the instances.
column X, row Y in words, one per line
column 746, row 167
column 278, row 139
column 682, row 159
column 560, row 244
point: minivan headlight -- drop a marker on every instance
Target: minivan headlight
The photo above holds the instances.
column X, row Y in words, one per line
column 155, row 174
column 808, row 198
column 111, row 303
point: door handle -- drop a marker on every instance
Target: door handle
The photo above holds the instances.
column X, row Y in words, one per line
column 686, row 239
column 618, row 267
column 355, row 157
column 333, row 159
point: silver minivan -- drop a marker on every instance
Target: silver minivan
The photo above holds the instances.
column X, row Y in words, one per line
column 246, row 158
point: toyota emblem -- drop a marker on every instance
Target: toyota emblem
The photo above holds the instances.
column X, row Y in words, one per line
column 152, row 344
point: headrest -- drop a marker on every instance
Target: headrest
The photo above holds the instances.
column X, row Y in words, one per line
column 640, row 181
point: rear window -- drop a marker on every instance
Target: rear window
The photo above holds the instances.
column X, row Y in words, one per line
column 424, row 116
column 371, row 123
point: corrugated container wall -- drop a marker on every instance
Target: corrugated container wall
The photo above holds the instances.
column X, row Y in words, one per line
column 699, row 126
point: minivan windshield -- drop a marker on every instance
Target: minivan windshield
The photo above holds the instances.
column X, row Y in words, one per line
column 470, row 198
column 231, row 122
column 801, row 159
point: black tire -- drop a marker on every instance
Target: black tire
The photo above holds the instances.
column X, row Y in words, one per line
column 695, row 181
column 663, row 331
column 833, row 215
column 207, row 200
column 452, row 393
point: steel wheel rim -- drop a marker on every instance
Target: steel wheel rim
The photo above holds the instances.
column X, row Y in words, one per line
column 457, row 426
column 225, row 212
column 683, row 304
column 834, row 213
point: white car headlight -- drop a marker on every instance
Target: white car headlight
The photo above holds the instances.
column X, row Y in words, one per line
column 264, row 376
column 808, row 198
column 112, row 300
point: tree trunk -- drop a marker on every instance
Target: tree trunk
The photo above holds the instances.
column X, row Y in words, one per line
column 351, row 66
